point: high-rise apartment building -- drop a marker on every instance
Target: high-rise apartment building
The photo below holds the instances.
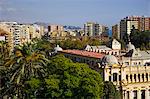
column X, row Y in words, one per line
column 143, row 22
column 138, row 22
column 126, row 26
column 17, row 34
column 94, row 29
column 54, row 28
column 116, row 31
column 90, row 29
column 147, row 23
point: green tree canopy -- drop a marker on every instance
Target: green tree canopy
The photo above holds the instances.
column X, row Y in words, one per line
column 71, row 80
column 110, row 91
column 76, row 43
column 140, row 39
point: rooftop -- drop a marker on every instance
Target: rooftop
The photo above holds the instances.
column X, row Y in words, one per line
column 84, row 53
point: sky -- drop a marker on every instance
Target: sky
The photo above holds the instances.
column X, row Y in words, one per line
column 72, row 12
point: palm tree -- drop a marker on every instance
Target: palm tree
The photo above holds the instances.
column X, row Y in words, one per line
column 26, row 62
column 4, row 54
column 43, row 46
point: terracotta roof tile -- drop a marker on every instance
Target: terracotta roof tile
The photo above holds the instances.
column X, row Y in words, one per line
column 84, row 53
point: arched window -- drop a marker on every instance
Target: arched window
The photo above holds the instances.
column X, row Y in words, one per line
column 135, row 77
column 146, row 76
column 139, row 77
column 131, row 78
column 114, row 76
column 127, row 77
column 109, row 78
column 119, row 77
column 112, row 53
column 143, row 77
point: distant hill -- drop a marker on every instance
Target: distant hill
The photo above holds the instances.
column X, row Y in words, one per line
column 42, row 23
column 72, row 27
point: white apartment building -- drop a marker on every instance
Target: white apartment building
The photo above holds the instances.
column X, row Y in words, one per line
column 93, row 29
column 18, row 34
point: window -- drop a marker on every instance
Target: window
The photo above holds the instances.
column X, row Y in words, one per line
column 135, row 77
column 147, row 76
column 109, row 78
column 128, row 94
column 139, row 63
column 114, row 76
column 135, row 94
column 119, row 77
column 127, row 63
column 139, row 77
column 131, row 77
column 143, row 77
column 127, row 77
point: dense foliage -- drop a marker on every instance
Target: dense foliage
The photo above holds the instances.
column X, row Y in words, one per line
column 140, row 39
column 110, row 91
column 29, row 72
column 76, row 43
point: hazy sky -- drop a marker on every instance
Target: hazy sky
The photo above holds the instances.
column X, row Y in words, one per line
column 72, row 12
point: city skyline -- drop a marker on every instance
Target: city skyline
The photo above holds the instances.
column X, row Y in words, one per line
column 72, row 12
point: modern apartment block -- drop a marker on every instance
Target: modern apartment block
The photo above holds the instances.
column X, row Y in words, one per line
column 56, row 30
column 53, row 28
column 126, row 25
column 94, row 29
column 17, row 34
column 116, row 31
column 143, row 22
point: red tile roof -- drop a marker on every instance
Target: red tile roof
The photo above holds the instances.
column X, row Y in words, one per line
column 84, row 53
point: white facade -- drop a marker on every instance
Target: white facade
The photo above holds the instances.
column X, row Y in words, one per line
column 20, row 33
column 115, row 50
column 93, row 29
column 2, row 38
column 133, row 81
column 116, row 45
column 130, row 25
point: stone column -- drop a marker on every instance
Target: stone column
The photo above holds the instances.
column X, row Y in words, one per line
column 133, row 80
column 129, row 80
column 145, row 78
column 147, row 94
column 148, row 77
column 137, row 79
column 141, row 79
column 131, row 94
column 125, row 96
column 112, row 77
column 138, row 94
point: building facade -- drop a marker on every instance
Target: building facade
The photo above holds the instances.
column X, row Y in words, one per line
column 56, row 31
column 126, row 26
column 116, row 31
column 95, row 29
column 17, row 34
column 129, row 71
column 141, row 23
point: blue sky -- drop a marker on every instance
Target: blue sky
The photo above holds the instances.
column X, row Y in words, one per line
column 72, row 12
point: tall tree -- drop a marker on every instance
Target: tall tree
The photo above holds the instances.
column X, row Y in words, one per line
column 24, row 64
column 141, row 39
column 4, row 55
column 72, row 80
column 110, row 91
